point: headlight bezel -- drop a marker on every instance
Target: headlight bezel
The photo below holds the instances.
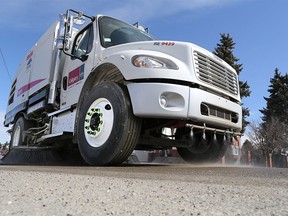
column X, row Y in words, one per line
column 149, row 61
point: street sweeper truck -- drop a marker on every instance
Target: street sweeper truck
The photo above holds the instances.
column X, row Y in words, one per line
column 110, row 88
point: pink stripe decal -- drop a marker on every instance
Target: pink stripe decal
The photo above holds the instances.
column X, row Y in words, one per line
column 25, row 88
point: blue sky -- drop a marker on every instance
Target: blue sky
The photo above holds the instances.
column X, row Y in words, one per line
column 258, row 28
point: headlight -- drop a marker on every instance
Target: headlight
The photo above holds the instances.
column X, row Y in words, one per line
column 145, row 61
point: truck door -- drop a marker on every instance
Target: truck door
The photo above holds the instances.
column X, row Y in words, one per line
column 77, row 67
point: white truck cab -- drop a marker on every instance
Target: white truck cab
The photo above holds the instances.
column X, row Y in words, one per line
column 112, row 88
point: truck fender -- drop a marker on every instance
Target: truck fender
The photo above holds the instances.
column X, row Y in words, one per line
column 106, row 71
column 21, row 114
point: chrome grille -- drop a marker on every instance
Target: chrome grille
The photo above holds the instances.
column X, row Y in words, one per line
column 214, row 73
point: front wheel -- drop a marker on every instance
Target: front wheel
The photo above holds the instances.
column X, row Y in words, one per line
column 107, row 130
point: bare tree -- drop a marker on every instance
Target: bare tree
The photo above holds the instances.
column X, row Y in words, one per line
column 270, row 137
column 256, row 135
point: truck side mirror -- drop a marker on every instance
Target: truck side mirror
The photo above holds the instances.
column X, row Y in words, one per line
column 73, row 18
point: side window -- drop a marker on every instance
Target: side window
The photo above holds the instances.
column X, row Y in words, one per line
column 83, row 42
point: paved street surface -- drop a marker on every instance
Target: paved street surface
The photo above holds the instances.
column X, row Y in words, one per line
column 143, row 190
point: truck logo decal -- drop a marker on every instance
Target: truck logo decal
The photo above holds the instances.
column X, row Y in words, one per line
column 29, row 55
column 76, row 75
column 30, row 85
column 29, row 60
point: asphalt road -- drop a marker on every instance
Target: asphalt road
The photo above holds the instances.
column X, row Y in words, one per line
column 143, row 190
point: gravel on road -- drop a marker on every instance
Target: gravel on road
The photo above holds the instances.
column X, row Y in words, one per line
column 142, row 191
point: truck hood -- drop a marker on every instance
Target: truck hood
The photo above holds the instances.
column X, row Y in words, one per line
column 174, row 49
column 185, row 55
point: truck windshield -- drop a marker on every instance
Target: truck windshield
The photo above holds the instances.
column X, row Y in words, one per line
column 114, row 32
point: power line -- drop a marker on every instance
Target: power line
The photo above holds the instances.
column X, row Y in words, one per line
column 5, row 65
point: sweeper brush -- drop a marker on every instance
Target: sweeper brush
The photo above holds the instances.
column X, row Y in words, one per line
column 29, row 156
column 42, row 156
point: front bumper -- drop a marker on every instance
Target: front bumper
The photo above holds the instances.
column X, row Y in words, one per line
column 172, row 101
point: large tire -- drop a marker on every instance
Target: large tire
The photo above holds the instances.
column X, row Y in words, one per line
column 107, row 130
column 211, row 151
column 18, row 137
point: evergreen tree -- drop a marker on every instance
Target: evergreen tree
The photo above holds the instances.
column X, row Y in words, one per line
column 277, row 102
column 224, row 50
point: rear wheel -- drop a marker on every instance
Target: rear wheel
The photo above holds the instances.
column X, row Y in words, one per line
column 107, row 130
column 204, row 146
column 18, row 137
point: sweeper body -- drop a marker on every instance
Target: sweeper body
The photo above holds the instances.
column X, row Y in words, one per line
column 111, row 88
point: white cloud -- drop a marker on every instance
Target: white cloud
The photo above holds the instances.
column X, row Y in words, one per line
column 4, row 136
column 31, row 13
column 143, row 9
